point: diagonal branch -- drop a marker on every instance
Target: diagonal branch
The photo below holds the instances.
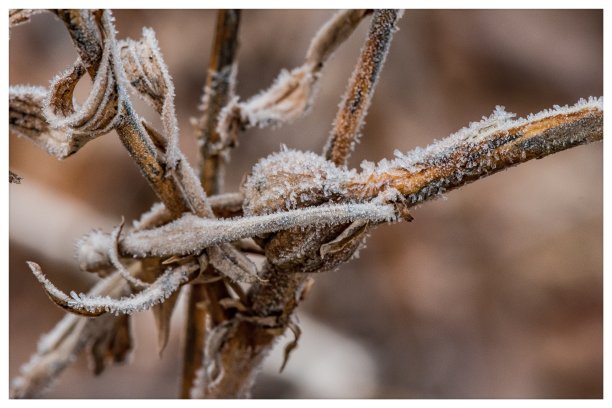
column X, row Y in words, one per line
column 482, row 149
column 356, row 101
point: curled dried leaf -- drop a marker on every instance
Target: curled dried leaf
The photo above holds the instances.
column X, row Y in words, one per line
column 88, row 305
column 113, row 345
column 52, row 118
column 57, row 349
column 292, row 93
column 26, row 119
column 148, row 75
column 101, row 110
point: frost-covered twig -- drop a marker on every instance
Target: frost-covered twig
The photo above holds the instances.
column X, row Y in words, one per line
column 214, row 153
column 481, row 149
column 304, row 212
column 292, row 93
column 190, row 234
column 91, row 31
column 356, row 101
column 219, row 90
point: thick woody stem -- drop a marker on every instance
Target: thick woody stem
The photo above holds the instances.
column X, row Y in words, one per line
column 467, row 162
column 354, row 106
column 204, row 298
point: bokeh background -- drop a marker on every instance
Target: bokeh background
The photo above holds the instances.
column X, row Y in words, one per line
column 494, row 292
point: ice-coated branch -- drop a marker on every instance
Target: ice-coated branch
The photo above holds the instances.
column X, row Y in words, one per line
column 356, row 101
column 214, row 153
column 481, row 149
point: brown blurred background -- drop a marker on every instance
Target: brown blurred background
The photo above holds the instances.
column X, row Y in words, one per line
column 495, row 292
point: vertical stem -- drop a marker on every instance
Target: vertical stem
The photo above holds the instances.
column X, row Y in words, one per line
column 204, row 298
column 219, row 90
column 354, row 107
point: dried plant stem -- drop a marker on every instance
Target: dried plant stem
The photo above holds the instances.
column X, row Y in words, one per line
column 220, row 85
column 84, row 27
column 356, row 102
column 204, row 298
column 134, row 139
column 469, row 161
column 247, row 344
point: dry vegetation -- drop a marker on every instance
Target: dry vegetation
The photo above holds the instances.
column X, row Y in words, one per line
column 247, row 258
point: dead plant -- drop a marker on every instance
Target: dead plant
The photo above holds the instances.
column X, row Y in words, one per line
column 305, row 212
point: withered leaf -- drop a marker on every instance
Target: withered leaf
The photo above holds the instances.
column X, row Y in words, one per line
column 351, row 236
column 148, row 75
column 111, row 346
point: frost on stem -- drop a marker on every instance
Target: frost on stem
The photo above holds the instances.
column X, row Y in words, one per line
column 87, row 305
column 190, row 234
column 356, row 101
column 481, row 149
column 218, row 91
column 292, row 93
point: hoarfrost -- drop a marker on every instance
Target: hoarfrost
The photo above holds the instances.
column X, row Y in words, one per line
column 156, row 293
column 500, row 121
column 283, row 180
column 190, row 234
column 148, row 74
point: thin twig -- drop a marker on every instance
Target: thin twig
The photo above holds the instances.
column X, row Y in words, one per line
column 356, row 101
column 220, row 84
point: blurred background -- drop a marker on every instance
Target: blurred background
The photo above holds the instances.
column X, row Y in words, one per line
column 494, row 292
